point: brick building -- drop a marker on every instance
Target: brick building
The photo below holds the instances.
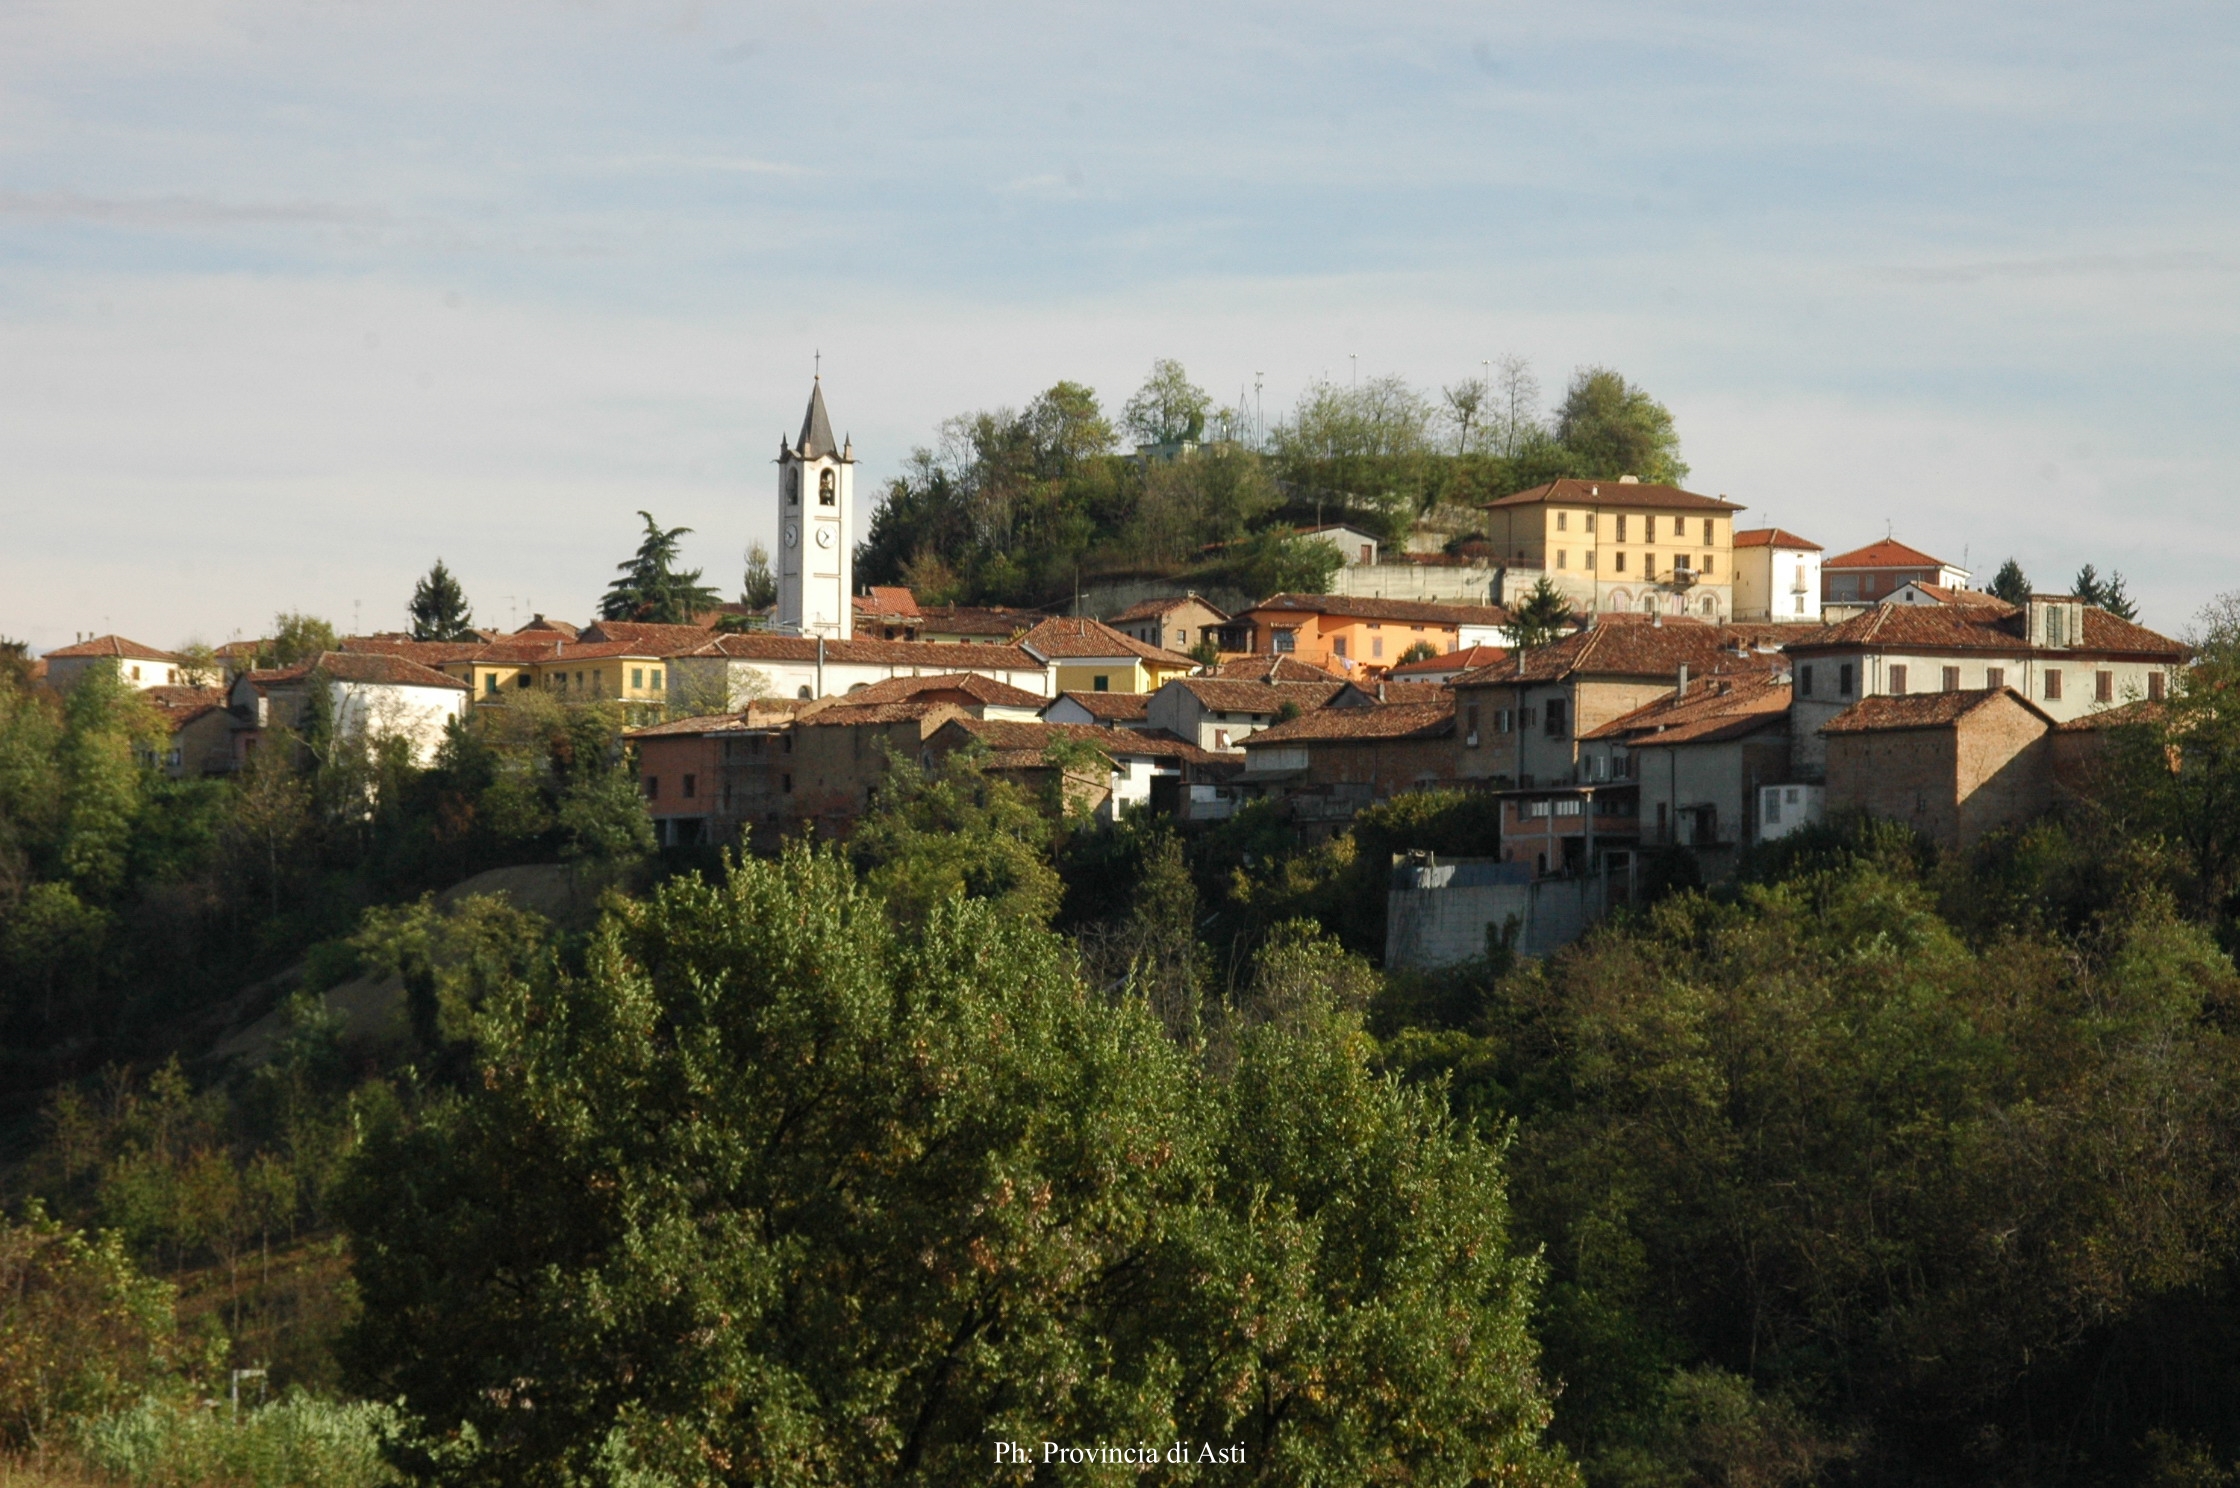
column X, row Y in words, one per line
column 1327, row 765
column 1952, row 765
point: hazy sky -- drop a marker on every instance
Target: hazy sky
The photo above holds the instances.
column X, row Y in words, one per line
column 295, row 297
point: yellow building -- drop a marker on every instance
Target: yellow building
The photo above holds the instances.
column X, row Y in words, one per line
column 1619, row 545
column 1090, row 656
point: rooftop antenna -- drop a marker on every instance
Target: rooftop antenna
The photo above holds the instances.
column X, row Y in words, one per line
column 1259, row 422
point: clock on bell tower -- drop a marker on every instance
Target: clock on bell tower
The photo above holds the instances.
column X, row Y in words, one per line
column 816, row 549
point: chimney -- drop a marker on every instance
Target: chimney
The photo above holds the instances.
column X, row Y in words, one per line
column 1380, row 689
column 1683, row 690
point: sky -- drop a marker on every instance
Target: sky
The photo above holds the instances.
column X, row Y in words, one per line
column 297, row 297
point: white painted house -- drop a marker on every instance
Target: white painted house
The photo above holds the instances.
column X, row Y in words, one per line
column 1776, row 577
column 369, row 696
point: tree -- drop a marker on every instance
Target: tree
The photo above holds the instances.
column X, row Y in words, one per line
column 758, row 590
column 109, row 737
column 1274, row 560
column 1067, row 429
column 1169, row 408
column 296, row 638
column 956, row 833
column 1420, row 651
column 651, row 588
column 776, row 1191
column 199, row 665
column 1615, row 428
column 1543, row 618
column 2106, row 594
column 2011, row 584
column 1462, row 405
column 439, row 608
column 1515, row 421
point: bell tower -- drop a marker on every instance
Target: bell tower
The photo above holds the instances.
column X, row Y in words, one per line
column 816, row 543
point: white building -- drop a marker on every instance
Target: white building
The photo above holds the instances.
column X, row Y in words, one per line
column 1776, row 577
column 369, row 696
column 135, row 665
column 726, row 672
column 816, row 540
column 1357, row 548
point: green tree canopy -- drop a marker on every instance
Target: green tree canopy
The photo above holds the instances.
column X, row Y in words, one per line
column 1168, row 409
column 758, row 587
column 2011, row 584
column 295, row 638
column 1544, row 616
column 2108, row 594
column 775, row 1193
column 439, row 608
column 1613, row 428
column 651, row 587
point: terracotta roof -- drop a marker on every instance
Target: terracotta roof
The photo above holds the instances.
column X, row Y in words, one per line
column 1110, row 707
column 1225, row 695
column 1615, row 493
column 947, row 656
column 1774, row 537
column 2141, row 710
column 1885, row 554
column 1074, row 637
column 1272, row 668
column 1004, row 734
column 181, row 706
column 847, row 711
column 980, row 689
column 1717, row 706
column 1946, row 594
column 374, row 669
column 1467, row 659
column 539, row 625
column 1153, row 609
column 1390, row 691
column 1920, row 710
column 701, row 727
column 1980, row 628
column 996, row 620
column 111, row 645
column 644, row 633
column 1359, row 725
column 888, row 599
column 1622, row 650
column 1353, row 608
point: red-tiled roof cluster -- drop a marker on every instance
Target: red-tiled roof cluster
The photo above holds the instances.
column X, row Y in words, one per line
column 1225, row 695
column 1981, row 628
column 1623, row 650
column 1887, row 553
column 1271, row 668
column 1360, row 725
column 1077, row 637
column 1351, row 607
column 1110, row 707
column 1920, row 710
column 1157, row 609
column 946, row 655
column 1467, row 659
column 1774, row 537
column 118, row 647
column 971, row 684
column 648, row 638
column 1718, row 706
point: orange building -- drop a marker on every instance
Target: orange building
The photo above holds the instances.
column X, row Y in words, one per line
column 1343, row 633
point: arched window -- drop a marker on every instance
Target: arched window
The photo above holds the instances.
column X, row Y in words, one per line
column 804, row 694
column 828, row 489
column 793, row 485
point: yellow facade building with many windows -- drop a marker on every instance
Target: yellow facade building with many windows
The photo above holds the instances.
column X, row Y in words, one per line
column 1619, row 546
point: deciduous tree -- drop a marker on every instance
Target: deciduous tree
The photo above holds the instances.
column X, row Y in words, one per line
column 1615, row 428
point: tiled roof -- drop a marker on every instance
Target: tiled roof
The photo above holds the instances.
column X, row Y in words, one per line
column 1110, row 707
column 2142, row 710
column 701, row 727
column 1920, row 710
column 888, row 599
column 1615, row 493
column 1360, row 725
column 1153, row 609
column 1076, row 637
column 644, row 634
column 1885, row 554
column 1354, row 608
column 373, row 669
column 1468, row 659
column 181, row 706
column 946, row 656
column 995, row 620
column 541, row 626
column 1622, row 650
column 1402, row 691
column 980, row 689
column 847, row 711
column 1004, row 734
column 1271, row 668
column 1980, row 628
column 1774, row 537
column 110, row 645
column 1945, row 594
column 1225, row 695
column 1717, row 706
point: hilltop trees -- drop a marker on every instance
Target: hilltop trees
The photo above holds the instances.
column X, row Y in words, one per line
column 1612, row 427
column 439, row 608
column 2010, row 583
column 775, row 1191
column 1169, row 408
column 651, row 587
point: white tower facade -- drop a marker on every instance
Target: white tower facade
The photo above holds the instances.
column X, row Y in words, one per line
column 816, row 538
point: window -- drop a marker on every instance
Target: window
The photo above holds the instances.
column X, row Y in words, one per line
column 1376, row 646
column 1707, row 562
column 2103, row 687
column 804, row 694
column 1952, row 679
column 793, row 485
column 1182, row 638
column 1648, row 565
column 638, row 678
column 785, row 783
column 1367, row 552
column 1283, row 641
column 1103, row 683
column 1555, row 718
column 1621, row 526
column 1773, row 808
column 1590, row 521
column 1994, row 677
column 828, row 489
column 1504, row 721
column 1338, row 646
column 2154, row 686
column 691, row 786
column 1470, row 727
column 1843, row 680
column 524, row 680
column 1563, row 557
column 1618, row 562
column 1590, row 560
column 489, row 683
column 653, row 787
column 656, row 679
column 136, row 674
column 1563, row 521
column 1804, row 682
column 2053, row 684
column 1897, row 681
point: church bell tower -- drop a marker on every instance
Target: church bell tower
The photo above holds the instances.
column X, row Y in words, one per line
column 816, row 544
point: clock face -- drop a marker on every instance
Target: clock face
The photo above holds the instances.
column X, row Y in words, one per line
column 793, row 536
column 824, row 537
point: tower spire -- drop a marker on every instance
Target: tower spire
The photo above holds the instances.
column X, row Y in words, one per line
column 816, row 426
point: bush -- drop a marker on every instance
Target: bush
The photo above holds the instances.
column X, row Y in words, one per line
column 298, row 1441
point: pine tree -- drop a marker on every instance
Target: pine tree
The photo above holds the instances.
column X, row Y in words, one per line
column 758, row 590
column 439, row 608
column 2011, row 584
column 651, row 588
column 1543, row 617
